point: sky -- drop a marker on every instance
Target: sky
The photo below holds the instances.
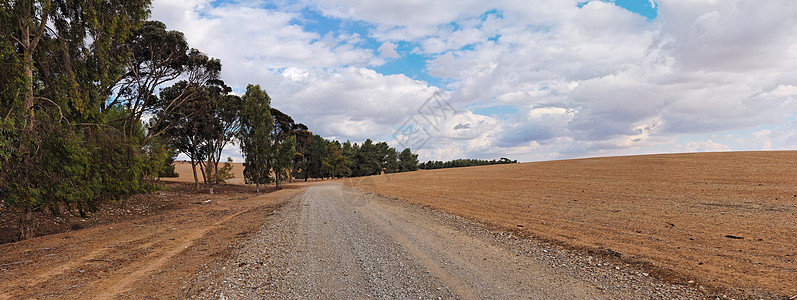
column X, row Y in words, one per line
column 529, row 80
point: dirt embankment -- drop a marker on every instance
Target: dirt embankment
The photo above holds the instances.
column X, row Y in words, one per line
column 719, row 220
column 159, row 255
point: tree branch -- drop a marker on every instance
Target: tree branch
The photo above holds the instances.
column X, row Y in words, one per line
column 56, row 105
column 45, row 15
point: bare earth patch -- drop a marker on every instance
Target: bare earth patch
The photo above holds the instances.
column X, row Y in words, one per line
column 723, row 221
column 160, row 254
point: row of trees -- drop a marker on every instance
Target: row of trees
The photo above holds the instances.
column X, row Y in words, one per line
column 86, row 116
column 429, row 165
column 329, row 159
column 81, row 119
column 277, row 149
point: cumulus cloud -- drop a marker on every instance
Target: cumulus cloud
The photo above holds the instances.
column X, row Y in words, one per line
column 388, row 50
column 350, row 103
column 253, row 41
column 698, row 68
column 584, row 79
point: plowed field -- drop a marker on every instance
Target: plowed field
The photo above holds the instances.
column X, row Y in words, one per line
column 726, row 221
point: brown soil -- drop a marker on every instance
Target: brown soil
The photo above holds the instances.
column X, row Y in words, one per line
column 726, row 221
column 129, row 255
column 186, row 174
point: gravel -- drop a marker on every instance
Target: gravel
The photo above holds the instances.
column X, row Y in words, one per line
column 335, row 242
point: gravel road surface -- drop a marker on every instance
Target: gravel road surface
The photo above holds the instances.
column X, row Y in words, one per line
column 333, row 242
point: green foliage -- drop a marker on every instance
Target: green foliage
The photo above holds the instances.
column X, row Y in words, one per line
column 334, row 164
column 220, row 121
column 61, row 61
column 463, row 163
column 224, row 173
column 12, row 80
column 202, row 126
column 408, row 161
column 391, row 163
column 77, row 169
column 332, row 159
column 254, row 135
column 167, row 168
column 283, row 159
column 314, row 157
column 368, row 160
column 160, row 159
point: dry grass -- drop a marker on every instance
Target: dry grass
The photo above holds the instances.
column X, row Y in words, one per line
column 724, row 220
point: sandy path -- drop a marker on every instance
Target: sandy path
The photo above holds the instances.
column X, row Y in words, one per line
column 120, row 259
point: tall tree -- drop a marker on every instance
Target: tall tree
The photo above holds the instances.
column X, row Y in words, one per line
column 334, row 164
column 202, row 127
column 183, row 127
column 304, row 138
column 391, row 163
column 60, row 58
column 222, row 126
column 283, row 160
column 254, row 135
column 159, row 56
column 315, row 157
column 348, row 151
column 368, row 160
column 408, row 161
column 24, row 23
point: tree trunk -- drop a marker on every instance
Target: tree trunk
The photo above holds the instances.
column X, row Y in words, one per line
column 257, row 188
column 196, row 178
column 29, row 93
column 202, row 171
column 26, row 225
column 28, row 67
column 29, row 40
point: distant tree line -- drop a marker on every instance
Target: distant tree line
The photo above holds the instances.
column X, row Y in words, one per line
column 277, row 149
column 331, row 159
column 430, row 165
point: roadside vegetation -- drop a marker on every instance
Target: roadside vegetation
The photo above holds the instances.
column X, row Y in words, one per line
column 96, row 101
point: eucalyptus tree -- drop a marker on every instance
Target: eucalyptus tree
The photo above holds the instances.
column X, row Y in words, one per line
column 254, row 135
column 60, row 60
column 283, row 160
column 202, row 126
column 159, row 56
column 222, row 118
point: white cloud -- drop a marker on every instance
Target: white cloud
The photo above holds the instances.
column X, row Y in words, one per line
column 596, row 79
column 388, row 50
column 698, row 68
column 350, row 103
column 705, row 146
column 251, row 41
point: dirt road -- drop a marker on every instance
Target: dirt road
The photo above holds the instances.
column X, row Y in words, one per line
column 168, row 255
column 726, row 221
column 335, row 242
